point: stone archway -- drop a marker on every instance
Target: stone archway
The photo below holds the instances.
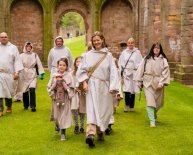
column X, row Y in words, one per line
column 79, row 6
column 117, row 22
column 27, row 24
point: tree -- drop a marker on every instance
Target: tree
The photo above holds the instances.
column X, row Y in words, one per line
column 73, row 19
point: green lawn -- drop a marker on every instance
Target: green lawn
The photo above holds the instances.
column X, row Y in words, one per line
column 77, row 45
column 27, row 133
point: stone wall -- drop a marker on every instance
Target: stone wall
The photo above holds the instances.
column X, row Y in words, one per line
column 26, row 24
column 117, row 23
column 184, row 70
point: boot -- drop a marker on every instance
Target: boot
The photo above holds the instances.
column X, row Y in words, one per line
column 90, row 140
column 9, row 110
column 81, row 130
column 101, row 137
column 108, row 130
column 63, row 134
column 57, row 129
column 76, row 129
column 126, row 109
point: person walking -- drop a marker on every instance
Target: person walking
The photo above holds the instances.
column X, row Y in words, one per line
column 99, row 75
column 78, row 101
column 129, row 61
column 10, row 67
column 154, row 73
column 60, row 89
column 28, row 81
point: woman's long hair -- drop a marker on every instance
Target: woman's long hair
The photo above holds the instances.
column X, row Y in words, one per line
column 75, row 67
column 151, row 53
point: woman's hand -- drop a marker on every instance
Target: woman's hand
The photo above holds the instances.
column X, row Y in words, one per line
column 160, row 86
column 16, row 76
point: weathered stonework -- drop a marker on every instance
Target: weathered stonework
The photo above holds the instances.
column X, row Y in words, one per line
column 81, row 7
column 171, row 21
column 184, row 71
column 26, row 24
column 116, row 15
column 148, row 21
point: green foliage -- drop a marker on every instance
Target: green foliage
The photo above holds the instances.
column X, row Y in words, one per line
column 27, row 133
column 73, row 19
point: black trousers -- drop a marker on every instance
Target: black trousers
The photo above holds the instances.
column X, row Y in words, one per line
column 129, row 99
column 8, row 103
column 29, row 100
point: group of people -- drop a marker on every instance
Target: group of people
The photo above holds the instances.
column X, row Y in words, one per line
column 18, row 74
column 90, row 85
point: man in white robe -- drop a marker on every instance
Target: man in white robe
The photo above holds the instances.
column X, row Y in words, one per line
column 10, row 66
column 56, row 53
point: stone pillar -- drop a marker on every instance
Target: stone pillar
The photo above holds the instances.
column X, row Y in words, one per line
column 6, row 16
column 171, row 21
column 96, row 14
column 1, row 16
column 136, row 6
column 184, row 71
column 143, row 26
column 48, row 34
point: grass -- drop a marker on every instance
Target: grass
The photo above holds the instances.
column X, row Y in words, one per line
column 77, row 45
column 27, row 133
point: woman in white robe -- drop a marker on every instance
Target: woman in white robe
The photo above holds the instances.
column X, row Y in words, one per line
column 27, row 83
column 129, row 61
column 154, row 74
column 100, row 87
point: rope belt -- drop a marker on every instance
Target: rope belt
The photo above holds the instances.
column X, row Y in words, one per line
column 154, row 75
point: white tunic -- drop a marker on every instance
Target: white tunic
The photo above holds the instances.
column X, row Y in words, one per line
column 10, row 62
column 99, row 100
column 55, row 54
column 129, row 84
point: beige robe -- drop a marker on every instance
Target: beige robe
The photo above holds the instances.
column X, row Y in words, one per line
column 28, row 77
column 10, row 62
column 156, row 73
column 62, row 113
column 99, row 100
